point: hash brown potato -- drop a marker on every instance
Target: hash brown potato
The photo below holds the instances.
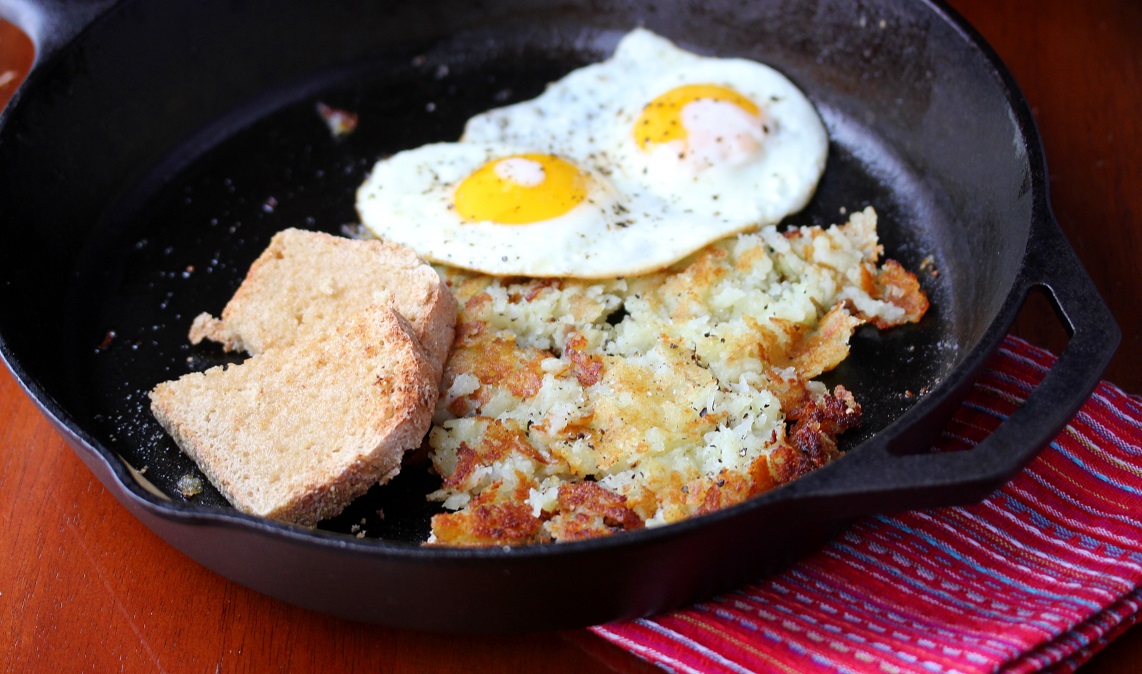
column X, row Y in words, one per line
column 573, row 409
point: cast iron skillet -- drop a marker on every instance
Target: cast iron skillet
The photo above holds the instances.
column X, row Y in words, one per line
column 157, row 146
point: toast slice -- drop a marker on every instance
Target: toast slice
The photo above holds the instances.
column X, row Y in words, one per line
column 296, row 433
column 305, row 282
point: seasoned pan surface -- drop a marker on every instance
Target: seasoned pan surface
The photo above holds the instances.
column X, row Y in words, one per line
column 184, row 247
column 168, row 209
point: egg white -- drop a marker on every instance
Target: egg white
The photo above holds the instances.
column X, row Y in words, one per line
column 408, row 199
column 589, row 115
column 644, row 210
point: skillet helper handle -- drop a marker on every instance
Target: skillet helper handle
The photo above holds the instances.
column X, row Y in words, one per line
column 52, row 24
column 889, row 481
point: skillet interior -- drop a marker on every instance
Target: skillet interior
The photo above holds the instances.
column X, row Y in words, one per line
column 179, row 168
column 181, row 246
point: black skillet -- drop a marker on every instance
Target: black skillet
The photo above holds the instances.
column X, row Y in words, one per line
column 157, row 146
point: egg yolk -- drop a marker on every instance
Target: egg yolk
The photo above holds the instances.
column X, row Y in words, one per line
column 662, row 121
column 520, row 190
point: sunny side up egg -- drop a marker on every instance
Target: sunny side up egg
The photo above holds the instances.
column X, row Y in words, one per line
column 620, row 168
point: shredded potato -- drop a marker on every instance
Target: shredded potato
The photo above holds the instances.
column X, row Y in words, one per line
column 574, row 409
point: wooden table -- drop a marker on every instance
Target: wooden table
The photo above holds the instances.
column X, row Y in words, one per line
column 85, row 586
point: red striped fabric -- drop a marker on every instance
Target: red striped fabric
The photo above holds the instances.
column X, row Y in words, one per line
column 1038, row 577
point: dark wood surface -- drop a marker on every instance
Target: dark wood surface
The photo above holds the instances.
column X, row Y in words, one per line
column 85, row 587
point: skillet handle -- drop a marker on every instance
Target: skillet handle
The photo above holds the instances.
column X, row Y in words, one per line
column 52, row 24
column 886, row 481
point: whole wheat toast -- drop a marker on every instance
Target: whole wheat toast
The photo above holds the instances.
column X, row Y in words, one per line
column 305, row 281
column 297, row 432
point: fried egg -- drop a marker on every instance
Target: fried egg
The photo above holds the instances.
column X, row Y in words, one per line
column 620, row 168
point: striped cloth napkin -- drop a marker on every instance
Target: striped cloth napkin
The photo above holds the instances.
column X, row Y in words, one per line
column 1038, row 577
